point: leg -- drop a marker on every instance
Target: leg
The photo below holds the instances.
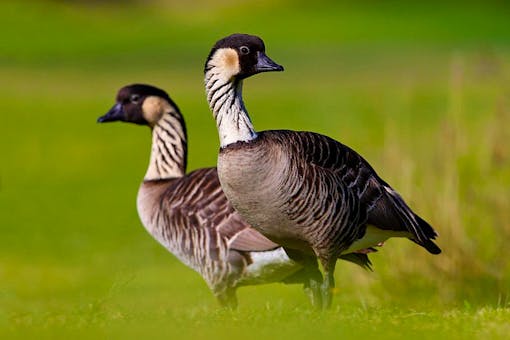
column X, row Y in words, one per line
column 310, row 276
column 329, row 282
column 312, row 288
column 227, row 298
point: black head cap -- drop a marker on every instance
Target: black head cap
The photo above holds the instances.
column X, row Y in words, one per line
column 129, row 106
column 251, row 54
column 237, row 40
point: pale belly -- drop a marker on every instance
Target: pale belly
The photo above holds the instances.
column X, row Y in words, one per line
column 269, row 266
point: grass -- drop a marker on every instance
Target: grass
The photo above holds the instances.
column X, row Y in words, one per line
column 277, row 321
column 421, row 91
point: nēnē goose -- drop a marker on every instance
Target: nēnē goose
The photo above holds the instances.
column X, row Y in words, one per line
column 302, row 190
column 189, row 214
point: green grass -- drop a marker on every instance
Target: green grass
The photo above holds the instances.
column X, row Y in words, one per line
column 271, row 322
column 421, row 91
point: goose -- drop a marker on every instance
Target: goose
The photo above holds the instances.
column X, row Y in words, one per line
column 302, row 190
column 189, row 214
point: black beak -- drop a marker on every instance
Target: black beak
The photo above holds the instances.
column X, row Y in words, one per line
column 115, row 113
column 265, row 64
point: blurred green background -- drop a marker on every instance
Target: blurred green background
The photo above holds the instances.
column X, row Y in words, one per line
column 420, row 89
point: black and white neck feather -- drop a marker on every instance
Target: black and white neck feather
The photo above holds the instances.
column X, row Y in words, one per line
column 148, row 105
column 229, row 62
column 168, row 153
column 224, row 95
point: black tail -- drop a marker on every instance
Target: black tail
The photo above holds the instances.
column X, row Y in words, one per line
column 422, row 231
column 430, row 233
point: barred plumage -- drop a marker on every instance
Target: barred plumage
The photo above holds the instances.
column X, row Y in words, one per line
column 302, row 190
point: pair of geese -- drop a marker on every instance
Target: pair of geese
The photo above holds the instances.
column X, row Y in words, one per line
column 279, row 201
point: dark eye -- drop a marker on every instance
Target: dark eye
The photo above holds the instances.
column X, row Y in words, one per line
column 134, row 98
column 244, row 50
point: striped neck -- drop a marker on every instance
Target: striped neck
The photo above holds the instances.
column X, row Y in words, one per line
column 169, row 148
column 226, row 102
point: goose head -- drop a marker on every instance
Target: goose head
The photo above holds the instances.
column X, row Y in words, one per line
column 239, row 56
column 139, row 104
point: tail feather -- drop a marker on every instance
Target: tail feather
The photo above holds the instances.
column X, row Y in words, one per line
column 361, row 260
column 431, row 234
column 431, row 247
column 426, row 228
column 422, row 231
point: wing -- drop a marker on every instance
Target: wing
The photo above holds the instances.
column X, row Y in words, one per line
column 384, row 206
column 198, row 196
